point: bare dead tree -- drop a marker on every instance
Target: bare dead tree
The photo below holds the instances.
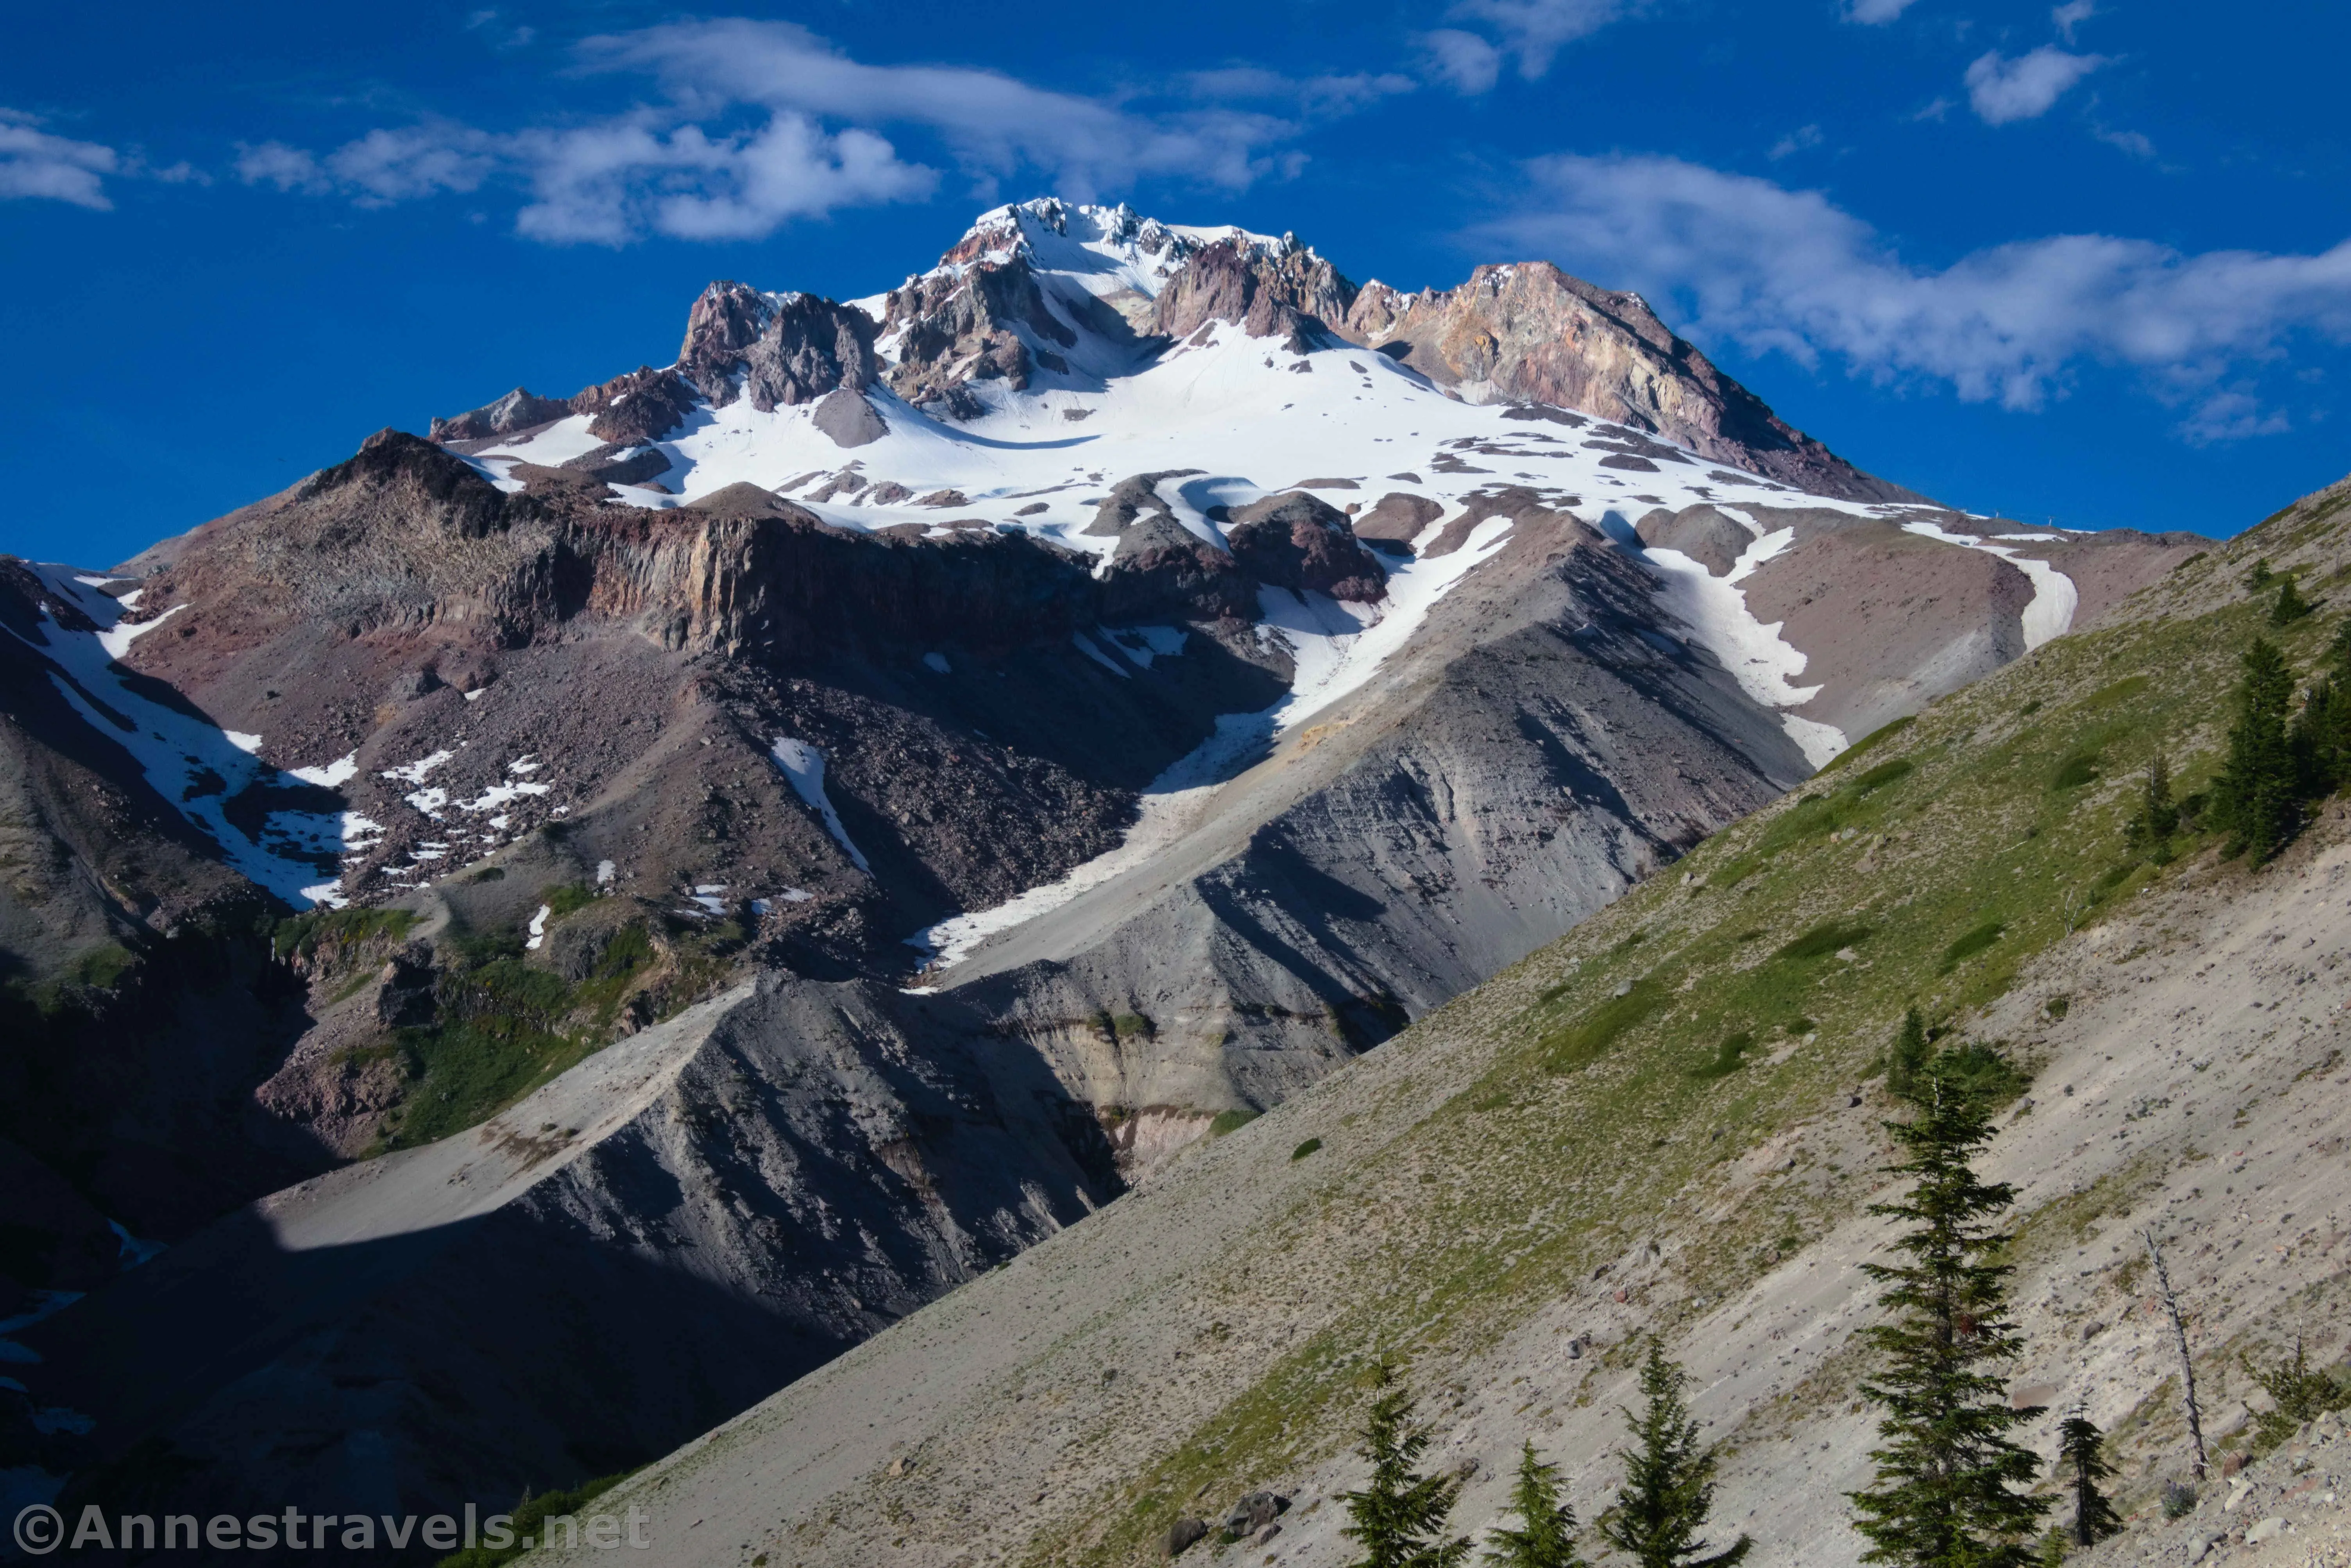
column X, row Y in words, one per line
column 2180, row 1331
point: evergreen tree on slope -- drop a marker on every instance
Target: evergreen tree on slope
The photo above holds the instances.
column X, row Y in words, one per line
column 2081, row 1465
column 2255, row 798
column 1546, row 1534
column 1398, row 1519
column 1946, row 1471
column 1669, row 1483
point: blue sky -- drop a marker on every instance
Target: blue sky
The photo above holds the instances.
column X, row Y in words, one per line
column 2089, row 263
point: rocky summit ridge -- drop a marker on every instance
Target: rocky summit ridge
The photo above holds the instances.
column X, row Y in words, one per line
column 757, row 844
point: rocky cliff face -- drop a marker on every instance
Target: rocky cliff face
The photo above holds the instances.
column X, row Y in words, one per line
column 1529, row 331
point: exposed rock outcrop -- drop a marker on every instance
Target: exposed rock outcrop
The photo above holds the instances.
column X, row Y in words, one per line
column 1284, row 291
column 1298, row 541
column 1529, row 332
column 774, row 350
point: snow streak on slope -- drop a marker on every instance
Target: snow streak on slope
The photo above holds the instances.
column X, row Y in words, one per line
column 803, row 765
column 1716, row 611
column 2055, row 597
column 195, row 765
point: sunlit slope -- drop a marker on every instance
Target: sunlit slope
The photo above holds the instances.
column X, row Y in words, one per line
column 1571, row 1154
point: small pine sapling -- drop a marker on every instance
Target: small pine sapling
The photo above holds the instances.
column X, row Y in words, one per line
column 2081, row 1465
column 1669, row 1480
column 2150, row 831
column 2300, row 1395
column 1399, row 1518
column 2291, row 606
column 1906, row 1066
column 1545, row 1537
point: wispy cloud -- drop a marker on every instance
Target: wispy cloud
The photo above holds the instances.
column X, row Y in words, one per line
column 37, row 165
column 764, row 122
column 1769, row 269
column 1531, row 32
column 1461, row 60
column 1876, row 13
column 1801, row 140
column 2002, row 91
column 2072, row 14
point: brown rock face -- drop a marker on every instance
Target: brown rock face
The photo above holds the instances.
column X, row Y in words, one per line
column 518, row 410
column 643, row 405
column 1285, row 294
column 1529, row 332
column 777, row 349
column 958, row 326
column 1298, row 541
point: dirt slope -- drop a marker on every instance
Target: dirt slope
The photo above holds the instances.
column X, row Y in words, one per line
column 1509, row 1192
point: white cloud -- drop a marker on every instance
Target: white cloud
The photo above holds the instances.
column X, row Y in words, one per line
column 2131, row 141
column 1534, row 30
column 1462, row 61
column 1876, row 13
column 288, row 168
column 605, row 184
column 2027, row 87
column 2072, row 14
column 994, row 125
column 1770, row 268
column 34, row 164
column 387, row 166
column 1802, row 139
column 765, row 123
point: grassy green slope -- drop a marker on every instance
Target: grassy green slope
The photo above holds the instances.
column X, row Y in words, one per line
column 1926, row 870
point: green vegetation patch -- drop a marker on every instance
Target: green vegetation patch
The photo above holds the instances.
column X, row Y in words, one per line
column 1822, row 940
column 1581, row 1042
column 1230, row 1122
column 530, row 1517
column 1885, row 773
column 1974, row 941
column 1304, row 1149
column 1875, row 737
column 337, row 930
column 2076, row 770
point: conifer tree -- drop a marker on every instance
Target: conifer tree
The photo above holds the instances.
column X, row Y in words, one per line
column 2157, row 818
column 2081, row 1465
column 1399, row 1518
column 1546, row 1534
column 1906, row 1061
column 2255, row 798
column 2290, row 605
column 1946, row 1471
column 1669, row 1483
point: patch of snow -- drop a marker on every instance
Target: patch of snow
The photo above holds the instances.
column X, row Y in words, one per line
column 1144, row 643
column 197, row 765
column 342, row 771
column 1169, row 808
column 1764, row 664
column 130, row 1250
column 804, row 765
column 604, row 871
column 525, row 764
column 2055, row 597
column 539, row 925
column 937, row 662
column 415, row 772
column 498, row 794
column 428, row 801
column 477, row 695
column 1339, row 647
column 1093, row 650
